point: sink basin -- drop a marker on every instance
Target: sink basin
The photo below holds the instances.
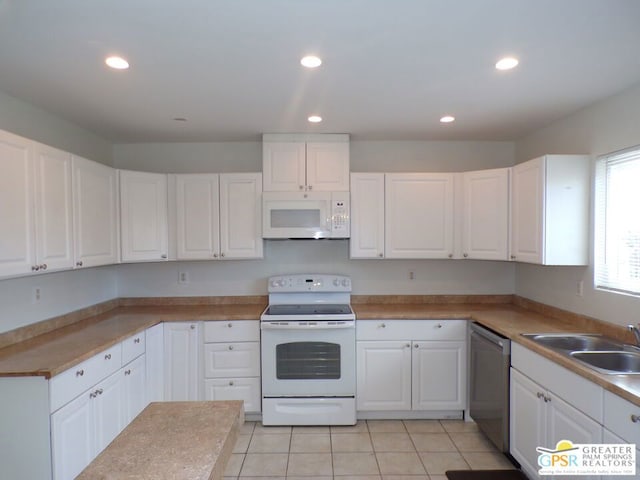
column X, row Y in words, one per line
column 610, row 362
column 575, row 342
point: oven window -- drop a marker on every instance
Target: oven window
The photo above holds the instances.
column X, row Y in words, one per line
column 307, row 361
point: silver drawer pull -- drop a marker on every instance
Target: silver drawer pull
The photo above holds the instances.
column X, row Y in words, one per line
column 439, row 325
column 231, row 383
column 230, row 347
column 193, row 327
column 127, row 372
column 229, row 324
column 107, row 356
column 99, row 391
column 635, row 418
column 540, row 395
column 92, row 395
column 382, row 325
column 416, row 346
column 79, row 373
column 136, row 340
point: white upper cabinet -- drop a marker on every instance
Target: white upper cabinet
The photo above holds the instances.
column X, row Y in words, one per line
column 485, row 214
column 241, row 215
column 197, row 216
column 35, row 207
column 95, row 213
column 219, row 216
column 293, row 163
column 17, row 252
column 143, row 216
column 367, row 215
column 54, row 209
column 550, row 210
column 419, row 215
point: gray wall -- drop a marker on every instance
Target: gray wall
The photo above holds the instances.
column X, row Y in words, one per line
column 607, row 126
column 24, row 119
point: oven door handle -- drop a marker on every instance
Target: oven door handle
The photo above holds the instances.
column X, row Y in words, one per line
column 305, row 326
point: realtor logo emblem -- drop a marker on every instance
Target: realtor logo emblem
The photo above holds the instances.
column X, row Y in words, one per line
column 587, row 459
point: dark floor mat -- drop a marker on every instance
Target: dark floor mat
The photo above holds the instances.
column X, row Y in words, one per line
column 485, row 475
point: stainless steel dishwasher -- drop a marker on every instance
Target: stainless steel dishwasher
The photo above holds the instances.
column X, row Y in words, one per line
column 490, row 358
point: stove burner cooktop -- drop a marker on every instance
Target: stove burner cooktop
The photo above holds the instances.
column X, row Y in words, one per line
column 322, row 309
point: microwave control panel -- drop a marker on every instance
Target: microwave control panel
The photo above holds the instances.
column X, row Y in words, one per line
column 340, row 223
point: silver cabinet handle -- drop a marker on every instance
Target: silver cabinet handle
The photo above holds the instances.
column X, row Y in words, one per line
column 382, row 325
column 547, row 399
column 229, row 324
column 35, row 268
column 310, row 187
column 193, row 327
column 230, row 347
column 300, row 187
column 513, row 257
column 439, row 325
column 164, row 255
column 136, row 340
column 416, row 345
column 231, row 383
column 107, row 356
column 381, row 255
column 79, row 264
column 635, row 418
column 465, row 255
column 43, row 266
column 127, row 372
column 93, row 395
column 79, row 373
column 215, row 255
column 99, row 391
column 540, row 395
column 222, row 254
column 450, row 255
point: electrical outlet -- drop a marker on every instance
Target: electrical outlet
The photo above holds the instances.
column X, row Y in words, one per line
column 36, row 295
column 183, row 278
column 580, row 288
column 412, row 275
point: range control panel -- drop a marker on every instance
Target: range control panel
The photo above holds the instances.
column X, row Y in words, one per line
column 309, row 283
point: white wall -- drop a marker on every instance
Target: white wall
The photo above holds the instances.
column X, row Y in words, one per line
column 369, row 276
column 22, row 118
column 60, row 293
column 604, row 127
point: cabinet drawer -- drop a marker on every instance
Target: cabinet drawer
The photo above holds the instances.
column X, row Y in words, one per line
column 241, row 359
column 72, row 382
column 247, row 389
column 574, row 389
column 411, row 329
column 133, row 347
column 232, row 331
column 617, row 417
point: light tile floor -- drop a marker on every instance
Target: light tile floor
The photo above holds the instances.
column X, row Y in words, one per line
column 370, row 450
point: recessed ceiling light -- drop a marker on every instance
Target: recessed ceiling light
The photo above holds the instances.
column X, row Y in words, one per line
column 311, row 61
column 118, row 63
column 507, row 63
column 315, row 118
column 447, row 119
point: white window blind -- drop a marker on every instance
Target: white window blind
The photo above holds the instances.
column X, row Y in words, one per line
column 617, row 225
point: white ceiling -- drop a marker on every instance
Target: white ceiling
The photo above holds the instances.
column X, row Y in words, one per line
column 391, row 68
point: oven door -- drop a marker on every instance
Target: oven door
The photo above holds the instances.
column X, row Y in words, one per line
column 308, row 361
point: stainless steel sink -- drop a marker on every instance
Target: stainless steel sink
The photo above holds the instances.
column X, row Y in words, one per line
column 575, row 342
column 611, row 362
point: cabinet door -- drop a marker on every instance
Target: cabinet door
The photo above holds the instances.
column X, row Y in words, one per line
column 384, row 375
column 328, row 166
column 485, row 214
column 154, row 345
column 240, row 359
column 246, row 389
column 439, row 375
column 135, row 398
column 54, row 211
column 181, row 361
column 283, row 166
column 527, row 220
column 143, row 220
column 241, row 215
column 367, row 215
column 17, row 252
column 73, row 437
column 109, row 410
column 197, row 217
column 95, row 213
column 609, row 437
column 527, row 422
column 419, row 215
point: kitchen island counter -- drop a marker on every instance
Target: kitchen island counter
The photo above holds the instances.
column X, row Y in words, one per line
column 176, row 440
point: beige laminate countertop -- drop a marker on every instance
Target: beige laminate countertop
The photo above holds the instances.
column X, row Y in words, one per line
column 52, row 353
column 172, row 440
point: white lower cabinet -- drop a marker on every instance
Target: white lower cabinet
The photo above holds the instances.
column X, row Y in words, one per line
column 540, row 417
column 396, row 373
column 135, row 388
column 231, row 362
column 181, row 361
column 154, row 365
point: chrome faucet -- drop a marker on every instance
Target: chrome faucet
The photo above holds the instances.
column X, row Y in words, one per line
column 636, row 332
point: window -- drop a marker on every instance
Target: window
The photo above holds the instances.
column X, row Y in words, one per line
column 617, row 230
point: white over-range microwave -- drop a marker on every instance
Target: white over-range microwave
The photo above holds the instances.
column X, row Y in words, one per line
column 305, row 215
